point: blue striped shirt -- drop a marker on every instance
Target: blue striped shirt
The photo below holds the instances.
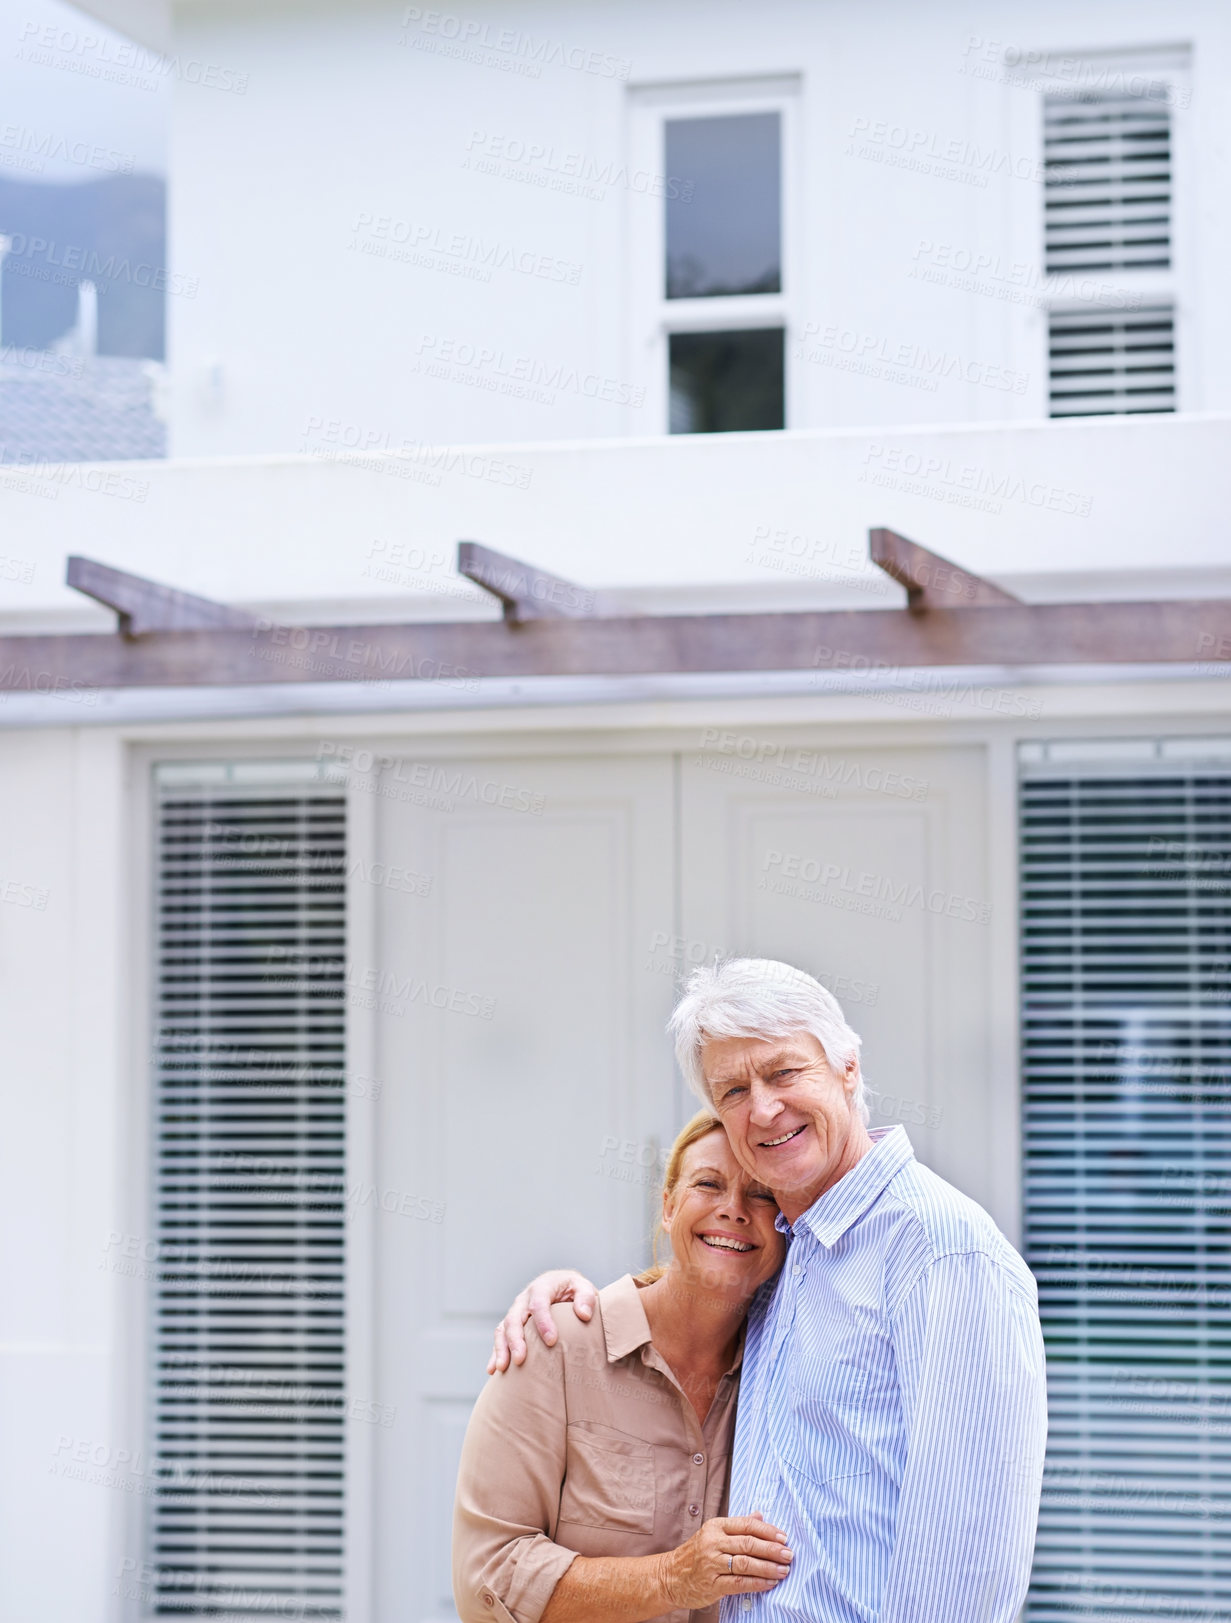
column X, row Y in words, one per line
column 892, row 1414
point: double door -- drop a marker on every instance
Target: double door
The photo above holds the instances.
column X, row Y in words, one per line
column 530, row 919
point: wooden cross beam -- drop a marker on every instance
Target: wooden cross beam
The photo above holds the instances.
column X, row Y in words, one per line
column 931, row 581
column 956, row 619
column 144, row 606
column 527, row 593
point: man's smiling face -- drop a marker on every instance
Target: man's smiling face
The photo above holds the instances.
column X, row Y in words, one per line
column 790, row 1117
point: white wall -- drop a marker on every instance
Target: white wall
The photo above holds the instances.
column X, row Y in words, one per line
column 1100, row 508
column 345, row 110
column 74, row 1455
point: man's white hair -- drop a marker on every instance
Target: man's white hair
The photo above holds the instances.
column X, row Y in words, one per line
column 759, row 997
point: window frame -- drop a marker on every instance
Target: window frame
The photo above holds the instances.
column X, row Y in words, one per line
column 653, row 317
column 1065, row 72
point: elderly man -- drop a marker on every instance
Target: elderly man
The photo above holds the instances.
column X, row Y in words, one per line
column 892, row 1416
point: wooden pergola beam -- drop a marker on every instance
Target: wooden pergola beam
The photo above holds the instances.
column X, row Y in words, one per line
column 526, row 593
column 552, row 628
column 458, row 654
column 931, row 582
column 144, row 605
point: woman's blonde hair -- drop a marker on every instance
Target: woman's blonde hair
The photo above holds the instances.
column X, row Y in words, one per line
column 702, row 1124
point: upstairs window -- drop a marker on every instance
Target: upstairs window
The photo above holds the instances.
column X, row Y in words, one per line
column 1111, row 133
column 715, row 313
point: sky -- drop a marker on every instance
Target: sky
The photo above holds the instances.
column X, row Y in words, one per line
column 63, row 115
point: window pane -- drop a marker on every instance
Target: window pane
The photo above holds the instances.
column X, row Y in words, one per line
column 722, row 381
column 724, row 229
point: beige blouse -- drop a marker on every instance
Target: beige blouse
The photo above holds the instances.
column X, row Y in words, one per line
column 589, row 1448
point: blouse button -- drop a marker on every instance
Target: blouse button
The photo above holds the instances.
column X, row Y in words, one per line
column 488, row 1601
column 698, row 1459
column 694, row 1510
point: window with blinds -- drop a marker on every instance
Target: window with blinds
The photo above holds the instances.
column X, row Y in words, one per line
column 1108, row 244
column 1107, row 180
column 247, row 1386
column 1126, row 999
column 1121, row 362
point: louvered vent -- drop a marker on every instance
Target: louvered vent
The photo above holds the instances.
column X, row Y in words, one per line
column 1122, row 363
column 1126, row 945
column 248, row 1341
column 1107, row 181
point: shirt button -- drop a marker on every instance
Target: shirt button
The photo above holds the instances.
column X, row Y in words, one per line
column 746, row 1604
column 488, row 1601
column 694, row 1510
column 698, row 1459
column 796, row 1269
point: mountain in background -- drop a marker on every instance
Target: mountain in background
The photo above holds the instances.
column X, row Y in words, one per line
column 110, row 231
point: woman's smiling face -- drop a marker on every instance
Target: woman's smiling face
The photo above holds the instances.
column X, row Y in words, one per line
column 720, row 1221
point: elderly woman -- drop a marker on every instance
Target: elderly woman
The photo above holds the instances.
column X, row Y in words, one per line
column 593, row 1477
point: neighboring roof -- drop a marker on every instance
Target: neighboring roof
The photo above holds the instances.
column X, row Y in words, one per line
column 62, row 408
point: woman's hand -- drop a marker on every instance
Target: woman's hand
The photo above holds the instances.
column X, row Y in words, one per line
column 730, row 1555
column 558, row 1285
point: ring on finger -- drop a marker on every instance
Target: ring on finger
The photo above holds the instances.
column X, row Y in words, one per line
column 730, row 1563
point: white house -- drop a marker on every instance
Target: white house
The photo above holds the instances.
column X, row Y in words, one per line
column 337, row 1010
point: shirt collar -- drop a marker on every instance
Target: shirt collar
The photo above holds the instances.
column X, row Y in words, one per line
column 841, row 1207
column 625, row 1326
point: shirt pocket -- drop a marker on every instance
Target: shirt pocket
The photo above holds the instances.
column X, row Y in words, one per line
column 827, row 1412
column 609, row 1480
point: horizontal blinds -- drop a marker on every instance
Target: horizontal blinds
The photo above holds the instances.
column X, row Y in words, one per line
column 248, row 1343
column 1126, row 961
column 1117, row 362
column 1107, row 181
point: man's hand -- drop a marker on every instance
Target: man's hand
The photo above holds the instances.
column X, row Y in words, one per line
column 730, row 1555
column 558, row 1285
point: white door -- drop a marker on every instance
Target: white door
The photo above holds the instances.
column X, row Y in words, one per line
column 869, row 869
column 526, row 1086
